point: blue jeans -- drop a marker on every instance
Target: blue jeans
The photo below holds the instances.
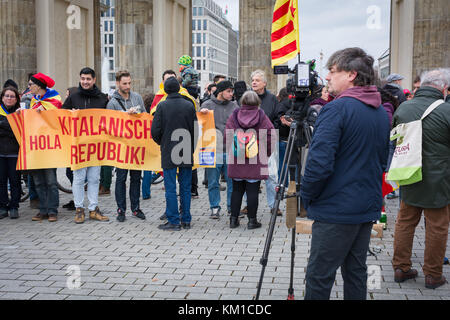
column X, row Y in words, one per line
column 213, row 175
column 334, row 246
column 9, row 173
column 47, row 190
column 92, row 175
column 147, row 184
column 121, row 189
column 32, row 188
column 170, row 184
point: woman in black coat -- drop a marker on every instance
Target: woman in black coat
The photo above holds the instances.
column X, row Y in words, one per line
column 9, row 150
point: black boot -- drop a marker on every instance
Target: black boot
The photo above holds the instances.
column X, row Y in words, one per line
column 234, row 222
column 253, row 224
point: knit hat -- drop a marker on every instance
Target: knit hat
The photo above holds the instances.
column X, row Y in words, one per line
column 223, row 85
column 11, row 83
column 394, row 77
column 171, row 85
column 43, row 81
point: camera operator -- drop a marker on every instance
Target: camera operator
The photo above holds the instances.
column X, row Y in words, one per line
column 347, row 156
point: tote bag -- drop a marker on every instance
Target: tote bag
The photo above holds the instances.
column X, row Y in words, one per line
column 406, row 165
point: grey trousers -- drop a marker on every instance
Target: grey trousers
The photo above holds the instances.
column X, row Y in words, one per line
column 334, row 246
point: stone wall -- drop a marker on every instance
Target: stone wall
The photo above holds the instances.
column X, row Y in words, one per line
column 17, row 41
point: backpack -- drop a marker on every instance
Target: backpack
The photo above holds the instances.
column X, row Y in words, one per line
column 406, row 165
column 245, row 144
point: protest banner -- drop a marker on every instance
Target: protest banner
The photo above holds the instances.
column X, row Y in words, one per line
column 92, row 137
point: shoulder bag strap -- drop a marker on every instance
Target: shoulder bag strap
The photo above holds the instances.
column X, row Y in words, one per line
column 430, row 109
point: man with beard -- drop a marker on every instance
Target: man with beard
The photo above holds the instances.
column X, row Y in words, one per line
column 88, row 96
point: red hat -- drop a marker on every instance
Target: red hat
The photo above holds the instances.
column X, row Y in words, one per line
column 43, row 81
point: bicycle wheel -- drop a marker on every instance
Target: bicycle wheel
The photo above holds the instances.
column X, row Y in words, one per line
column 63, row 181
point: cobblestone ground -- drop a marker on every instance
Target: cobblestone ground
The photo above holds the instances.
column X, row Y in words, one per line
column 136, row 260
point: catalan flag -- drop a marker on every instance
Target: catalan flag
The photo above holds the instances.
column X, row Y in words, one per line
column 162, row 95
column 50, row 100
column 285, row 34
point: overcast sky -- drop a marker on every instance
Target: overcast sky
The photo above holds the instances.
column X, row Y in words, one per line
column 330, row 25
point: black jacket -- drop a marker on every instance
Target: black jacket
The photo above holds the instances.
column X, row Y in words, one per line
column 86, row 99
column 172, row 114
column 269, row 104
column 8, row 142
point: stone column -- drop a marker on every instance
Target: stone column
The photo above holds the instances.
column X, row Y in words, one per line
column 134, row 49
column 431, row 36
column 17, row 41
column 419, row 37
column 255, row 28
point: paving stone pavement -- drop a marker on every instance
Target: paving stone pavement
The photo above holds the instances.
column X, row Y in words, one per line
column 136, row 260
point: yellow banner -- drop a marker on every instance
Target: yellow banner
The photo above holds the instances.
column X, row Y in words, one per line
column 96, row 137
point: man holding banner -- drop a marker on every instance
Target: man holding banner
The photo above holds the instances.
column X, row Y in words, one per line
column 88, row 96
column 131, row 102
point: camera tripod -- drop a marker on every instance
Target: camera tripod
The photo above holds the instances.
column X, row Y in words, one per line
column 280, row 189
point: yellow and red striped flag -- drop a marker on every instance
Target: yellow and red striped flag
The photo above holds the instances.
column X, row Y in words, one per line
column 285, row 34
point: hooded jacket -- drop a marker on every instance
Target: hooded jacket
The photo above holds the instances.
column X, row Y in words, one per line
column 396, row 91
column 434, row 189
column 347, row 158
column 174, row 114
column 86, row 99
column 245, row 118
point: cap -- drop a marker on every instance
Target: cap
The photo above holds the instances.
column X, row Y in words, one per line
column 394, row 77
column 42, row 80
column 223, row 85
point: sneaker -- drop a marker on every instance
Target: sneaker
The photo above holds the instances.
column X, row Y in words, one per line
column 13, row 213
column 120, row 215
column 234, row 222
column 169, row 227
column 70, row 206
column 79, row 216
column 39, row 217
column 97, row 215
column 146, row 198
column 52, row 217
column 194, row 195
column 139, row 214
column 222, row 188
column 215, row 213
column 163, row 217
column 279, row 213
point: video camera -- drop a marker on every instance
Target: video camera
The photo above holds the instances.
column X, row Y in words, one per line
column 303, row 87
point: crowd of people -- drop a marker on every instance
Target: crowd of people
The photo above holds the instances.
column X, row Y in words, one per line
column 349, row 152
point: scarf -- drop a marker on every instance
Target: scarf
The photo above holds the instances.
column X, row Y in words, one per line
column 162, row 95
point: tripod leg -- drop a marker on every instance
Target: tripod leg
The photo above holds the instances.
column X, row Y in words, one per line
column 291, row 287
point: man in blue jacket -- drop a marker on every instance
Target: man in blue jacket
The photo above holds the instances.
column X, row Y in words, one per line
column 347, row 156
